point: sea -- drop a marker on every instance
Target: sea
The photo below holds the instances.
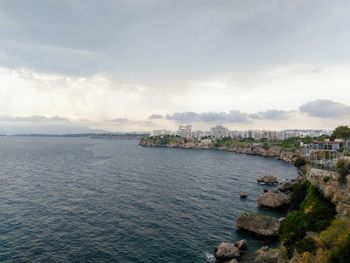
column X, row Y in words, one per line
column 103, row 200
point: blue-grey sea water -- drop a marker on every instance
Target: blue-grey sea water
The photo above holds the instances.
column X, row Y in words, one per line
column 96, row 200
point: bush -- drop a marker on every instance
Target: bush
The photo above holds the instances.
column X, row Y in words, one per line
column 300, row 161
column 326, row 179
column 343, row 169
column 342, row 254
column 308, row 244
column 298, row 195
column 315, row 214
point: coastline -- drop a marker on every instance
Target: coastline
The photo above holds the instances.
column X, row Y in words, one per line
column 274, row 151
column 324, row 186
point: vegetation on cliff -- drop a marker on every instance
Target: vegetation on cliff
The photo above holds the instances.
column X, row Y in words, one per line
column 313, row 214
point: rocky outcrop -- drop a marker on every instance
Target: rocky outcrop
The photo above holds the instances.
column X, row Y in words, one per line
column 328, row 184
column 258, row 224
column 267, row 179
column 273, row 200
column 266, row 255
column 226, row 251
column 251, row 149
column 286, row 187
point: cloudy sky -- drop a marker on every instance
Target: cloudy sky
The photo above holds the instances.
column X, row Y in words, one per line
column 138, row 65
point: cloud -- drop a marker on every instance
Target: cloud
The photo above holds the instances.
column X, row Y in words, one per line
column 215, row 36
column 155, row 116
column 222, row 117
column 33, row 118
column 118, row 120
column 40, row 124
column 272, row 115
column 325, row 109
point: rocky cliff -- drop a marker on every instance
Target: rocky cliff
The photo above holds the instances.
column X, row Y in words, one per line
column 328, row 184
column 251, row 149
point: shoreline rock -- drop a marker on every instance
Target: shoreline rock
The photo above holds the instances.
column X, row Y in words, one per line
column 267, row 179
column 273, row 200
column 258, row 224
column 226, row 251
column 266, row 255
column 275, row 151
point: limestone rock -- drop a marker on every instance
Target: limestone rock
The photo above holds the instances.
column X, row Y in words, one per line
column 259, row 224
column 242, row 244
column 266, row 255
column 226, row 251
column 273, row 200
column 268, row 179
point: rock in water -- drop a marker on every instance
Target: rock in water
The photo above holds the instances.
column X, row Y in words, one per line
column 226, row 251
column 243, row 194
column 268, row 179
column 285, row 187
column 242, row 244
column 266, row 255
column 258, row 224
column 273, row 200
column 232, row 261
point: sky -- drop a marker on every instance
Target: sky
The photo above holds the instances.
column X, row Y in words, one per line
column 121, row 65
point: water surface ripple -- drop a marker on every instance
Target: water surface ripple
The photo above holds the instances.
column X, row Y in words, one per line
column 90, row 200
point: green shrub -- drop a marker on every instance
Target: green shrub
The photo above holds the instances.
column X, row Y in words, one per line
column 314, row 214
column 298, row 195
column 307, row 244
column 343, row 169
column 300, row 161
column 342, row 254
column 326, row 179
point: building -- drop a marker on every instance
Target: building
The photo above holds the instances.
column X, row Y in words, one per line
column 185, row 131
column 160, row 132
column 347, row 144
column 219, row 132
column 199, row 134
column 236, row 134
column 337, row 145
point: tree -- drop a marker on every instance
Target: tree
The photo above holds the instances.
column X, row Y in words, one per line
column 341, row 132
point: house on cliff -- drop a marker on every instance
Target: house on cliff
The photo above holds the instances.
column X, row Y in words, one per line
column 337, row 145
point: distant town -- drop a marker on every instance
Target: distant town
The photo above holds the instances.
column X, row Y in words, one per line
column 219, row 132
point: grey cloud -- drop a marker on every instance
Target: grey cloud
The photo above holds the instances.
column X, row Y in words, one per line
column 118, row 120
column 222, row 117
column 155, row 116
column 34, row 119
column 183, row 117
column 143, row 36
column 40, row 124
column 325, row 109
column 272, row 115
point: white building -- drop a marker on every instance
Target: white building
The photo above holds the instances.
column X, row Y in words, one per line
column 236, row 134
column 184, row 131
column 219, row 132
column 160, row 132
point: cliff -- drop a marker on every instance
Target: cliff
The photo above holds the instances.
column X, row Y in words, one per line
column 232, row 146
column 311, row 233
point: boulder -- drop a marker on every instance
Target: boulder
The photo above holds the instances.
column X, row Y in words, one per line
column 232, row 261
column 273, row 200
column 268, row 179
column 243, row 194
column 266, row 255
column 242, row 244
column 226, row 251
column 286, row 187
column 258, row 224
